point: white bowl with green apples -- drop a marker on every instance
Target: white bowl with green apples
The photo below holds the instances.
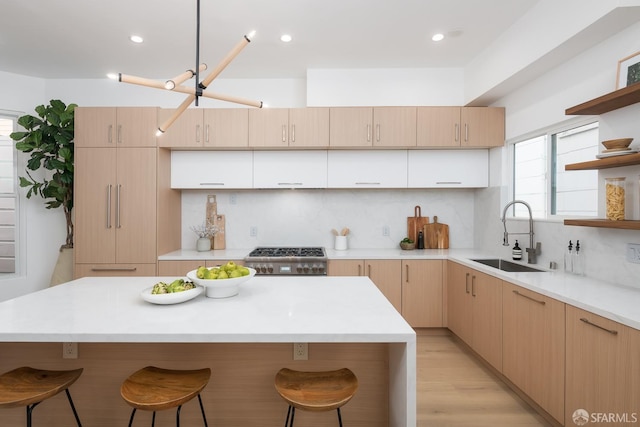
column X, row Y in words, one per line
column 221, row 281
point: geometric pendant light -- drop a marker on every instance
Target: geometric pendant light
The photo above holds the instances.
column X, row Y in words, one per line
column 175, row 84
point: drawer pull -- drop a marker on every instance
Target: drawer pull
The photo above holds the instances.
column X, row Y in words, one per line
column 466, row 283
column 114, row 268
column 529, row 298
column 611, row 331
column 212, row 183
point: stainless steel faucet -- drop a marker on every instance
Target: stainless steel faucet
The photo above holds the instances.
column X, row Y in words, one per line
column 532, row 252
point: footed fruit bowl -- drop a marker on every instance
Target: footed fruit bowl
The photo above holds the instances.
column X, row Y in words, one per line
column 221, row 288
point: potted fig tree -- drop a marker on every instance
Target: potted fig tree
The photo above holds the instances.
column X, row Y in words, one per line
column 48, row 139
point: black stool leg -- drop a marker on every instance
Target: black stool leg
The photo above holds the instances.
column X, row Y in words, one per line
column 153, row 419
column 178, row 416
column 133, row 413
column 73, row 408
column 204, row 417
column 339, row 417
column 29, row 412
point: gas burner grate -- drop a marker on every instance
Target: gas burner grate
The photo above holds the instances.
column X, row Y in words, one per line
column 278, row 252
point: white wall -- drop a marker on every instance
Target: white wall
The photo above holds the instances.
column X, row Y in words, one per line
column 541, row 104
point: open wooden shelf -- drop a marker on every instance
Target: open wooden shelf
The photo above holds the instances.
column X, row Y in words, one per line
column 612, row 101
column 609, row 162
column 604, row 223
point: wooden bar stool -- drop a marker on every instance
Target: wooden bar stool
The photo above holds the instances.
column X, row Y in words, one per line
column 155, row 389
column 29, row 387
column 315, row 391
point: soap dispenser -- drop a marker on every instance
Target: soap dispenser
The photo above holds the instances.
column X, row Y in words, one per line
column 568, row 259
column 516, row 252
column 420, row 240
column 578, row 260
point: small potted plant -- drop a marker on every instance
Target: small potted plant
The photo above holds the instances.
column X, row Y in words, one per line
column 205, row 232
column 407, row 244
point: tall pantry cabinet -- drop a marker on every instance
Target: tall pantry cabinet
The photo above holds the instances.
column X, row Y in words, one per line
column 115, row 191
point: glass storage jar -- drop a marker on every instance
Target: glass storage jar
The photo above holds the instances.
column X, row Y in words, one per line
column 615, row 195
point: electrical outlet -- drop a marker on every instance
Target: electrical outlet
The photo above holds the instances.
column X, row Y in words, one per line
column 633, row 253
column 300, row 351
column 69, row 350
column 253, row 231
column 385, row 230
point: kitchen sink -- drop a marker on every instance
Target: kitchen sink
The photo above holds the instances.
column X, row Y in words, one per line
column 504, row 265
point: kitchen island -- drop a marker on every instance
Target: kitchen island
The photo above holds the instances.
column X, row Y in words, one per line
column 244, row 340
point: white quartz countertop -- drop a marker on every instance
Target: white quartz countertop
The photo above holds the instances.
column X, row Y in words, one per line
column 612, row 301
column 267, row 309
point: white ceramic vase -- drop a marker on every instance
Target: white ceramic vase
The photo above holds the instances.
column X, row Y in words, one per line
column 203, row 244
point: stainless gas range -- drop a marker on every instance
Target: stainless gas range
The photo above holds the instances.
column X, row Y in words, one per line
column 303, row 261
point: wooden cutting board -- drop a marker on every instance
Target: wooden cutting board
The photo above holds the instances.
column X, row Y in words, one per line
column 436, row 235
column 219, row 238
column 416, row 223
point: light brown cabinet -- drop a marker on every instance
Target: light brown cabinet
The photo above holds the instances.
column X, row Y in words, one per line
column 471, row 127
column 422, row 293
column 284, row 127
column 414, row 287
column 534, row 346
column 602, row 369
column 115, row 193
column 206, row 127
column 115, row 126
column 353, row 127
column 474, row 311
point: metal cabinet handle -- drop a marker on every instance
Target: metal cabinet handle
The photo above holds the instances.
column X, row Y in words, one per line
column 466, row 132
column 407, row 270
column 284, row 133
column 369, row 269
column 110, row 134
column 197, row 133
column 378, row 132
column 473, row 285
column 515, row 291
column 293, row 133
column 109, row 206
column 466, row 283
column 212, row 183
column 114, row 268
column 206, row 134
column 359, row 270
column 611, row 331
column 118, row 225
column 119, row 134
column 457, row 132
column 368, row 133
column 367, row 183
column 448, row 182
column 291, row 184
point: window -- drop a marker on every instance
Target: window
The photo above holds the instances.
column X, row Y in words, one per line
column 539, row 177
column 8, row 197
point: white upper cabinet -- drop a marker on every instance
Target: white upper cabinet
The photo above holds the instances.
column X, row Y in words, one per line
column 211, row 169
column 448, row 169
column 367, row 169
column 290, row 169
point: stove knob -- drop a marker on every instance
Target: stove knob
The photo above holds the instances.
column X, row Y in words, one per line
column 299, row 268
column 314, row 268
column 263, row 269
column 321, row 269
column 270, row 268
column 306, row 269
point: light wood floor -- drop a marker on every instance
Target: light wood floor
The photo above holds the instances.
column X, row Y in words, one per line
column 456, row 389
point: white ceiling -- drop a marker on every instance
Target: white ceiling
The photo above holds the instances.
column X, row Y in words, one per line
column 89, row 38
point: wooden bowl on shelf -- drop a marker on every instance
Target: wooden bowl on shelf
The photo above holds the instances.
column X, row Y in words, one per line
column 617, row 144
column 407, row 246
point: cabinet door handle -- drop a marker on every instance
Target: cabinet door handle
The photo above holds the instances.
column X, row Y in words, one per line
column 110, row 134
column 369, row 269
column 407, row 270
column 109, row 206
column 359, row 270
column 284, row 133
column 206, row 134
column 293, row 133
column 473, row 285
column 290, row 184
column 466, row 283
column 588, row 322
column 114, row 268
column 378, row 132
column 466, row 132
column 118, row 225
column 515, row 291
column 367, row 183
column 212, row 183
column 457, row 132
column 448, row 182
column 368, row 133
column 197, row 133
column 119, row 134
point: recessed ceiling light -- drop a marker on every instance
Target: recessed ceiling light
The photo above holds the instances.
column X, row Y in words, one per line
column 136, row 39
column 437, row 37
column 286, row 38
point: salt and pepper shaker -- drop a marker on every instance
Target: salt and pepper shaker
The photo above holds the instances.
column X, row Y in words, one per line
column 578, row 260
column 568, row 259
